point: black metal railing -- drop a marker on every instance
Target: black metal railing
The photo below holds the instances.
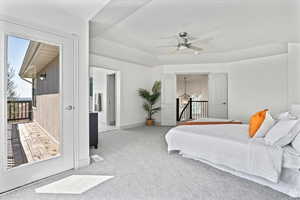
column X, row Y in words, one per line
column 19, row 110
column 193, row 110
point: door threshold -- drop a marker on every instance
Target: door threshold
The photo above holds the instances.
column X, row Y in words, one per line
column 32, row 183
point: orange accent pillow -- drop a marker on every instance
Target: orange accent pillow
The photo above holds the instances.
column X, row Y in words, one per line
column 256, row 121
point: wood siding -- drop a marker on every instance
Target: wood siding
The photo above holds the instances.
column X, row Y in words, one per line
column 47, row 113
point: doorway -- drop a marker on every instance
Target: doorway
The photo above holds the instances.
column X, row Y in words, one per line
column 36, row 116
column 194, row 96
column 111, row 99
column 103, row 97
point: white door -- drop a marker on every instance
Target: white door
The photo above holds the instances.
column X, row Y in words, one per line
column 168, row 105
column 36, row 136
column 111, row 99
column 218, row 95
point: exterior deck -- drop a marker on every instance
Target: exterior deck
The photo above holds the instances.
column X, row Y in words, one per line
column 28, row 142
column 15, row 152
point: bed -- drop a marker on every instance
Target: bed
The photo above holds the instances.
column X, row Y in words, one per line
column 228, row 147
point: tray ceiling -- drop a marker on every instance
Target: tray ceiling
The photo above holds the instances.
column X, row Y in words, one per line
column 233, row 25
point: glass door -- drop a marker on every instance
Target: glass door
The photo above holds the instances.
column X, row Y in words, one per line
column 36, row 105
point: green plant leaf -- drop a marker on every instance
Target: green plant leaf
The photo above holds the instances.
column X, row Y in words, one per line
column 151, row 98
column 144, row 94
column 154, row 97
column 155, row 110
column 156, row 87
column 147, row 107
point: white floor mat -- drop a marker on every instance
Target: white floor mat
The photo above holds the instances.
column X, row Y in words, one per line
column 96, row 158
column 75, row 184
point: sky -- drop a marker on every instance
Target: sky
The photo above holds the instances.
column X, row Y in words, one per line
column 16, row 50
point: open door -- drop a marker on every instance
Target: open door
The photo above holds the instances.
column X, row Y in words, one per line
column 36, row 98
column 218, row 95
column 111, row 99
column 168, row 105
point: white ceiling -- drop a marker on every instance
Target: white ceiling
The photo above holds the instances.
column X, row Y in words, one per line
column 78, row 8
column 247, row 26
column 235, row 25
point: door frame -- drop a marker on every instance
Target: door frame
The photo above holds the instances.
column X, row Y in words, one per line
column 201, row 73
column 108, row 114
column 168, row 107
column 75, row 41
column 195, row 73
column 117, row 91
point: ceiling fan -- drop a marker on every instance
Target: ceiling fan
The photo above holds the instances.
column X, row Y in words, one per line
column 185, row 41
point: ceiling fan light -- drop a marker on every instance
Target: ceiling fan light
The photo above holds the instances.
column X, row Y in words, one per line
column 181, row 47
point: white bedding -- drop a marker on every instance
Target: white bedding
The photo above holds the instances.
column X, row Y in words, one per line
column 289, row 182
column 291, row 158
column 228, row 145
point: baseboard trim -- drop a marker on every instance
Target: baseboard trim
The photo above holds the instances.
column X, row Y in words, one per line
column 134, row 125
column 83, row 163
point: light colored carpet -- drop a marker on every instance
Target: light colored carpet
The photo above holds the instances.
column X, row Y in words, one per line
column 143, row 170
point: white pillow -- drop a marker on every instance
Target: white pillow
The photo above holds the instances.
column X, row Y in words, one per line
column 283, row 116
column 296, row 141
column 265, row 126
column 286, row 116
column 282, row 133
column 295, row 110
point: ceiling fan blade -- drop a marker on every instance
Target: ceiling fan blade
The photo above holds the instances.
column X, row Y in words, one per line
column 192, row 38
column 168, row 37
column 195, row 48
column 202, row 40
column 167, row 46
column 174, row 51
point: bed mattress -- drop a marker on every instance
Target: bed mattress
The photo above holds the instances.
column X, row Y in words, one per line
column 291, row 158
column 229, row 147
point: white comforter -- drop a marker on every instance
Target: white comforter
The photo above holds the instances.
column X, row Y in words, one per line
column 230, row 146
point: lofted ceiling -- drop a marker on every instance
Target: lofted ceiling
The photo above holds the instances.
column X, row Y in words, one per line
column 232, row 26
column 39, row 8
column 133, row 29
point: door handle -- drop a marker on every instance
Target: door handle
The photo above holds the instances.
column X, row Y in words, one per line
column 69, row 107
column 224, row 103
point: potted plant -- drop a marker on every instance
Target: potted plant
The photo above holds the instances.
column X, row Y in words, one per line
column 150, row 98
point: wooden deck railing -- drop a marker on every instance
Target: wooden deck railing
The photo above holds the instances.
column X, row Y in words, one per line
column 19, row 110
column 193, row 110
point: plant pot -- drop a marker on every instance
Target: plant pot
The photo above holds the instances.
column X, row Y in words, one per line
column 149, row 122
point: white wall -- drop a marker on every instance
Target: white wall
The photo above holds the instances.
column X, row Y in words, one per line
column 132, row 77
column 294, row 73
column 252, row 84
column 57, row 23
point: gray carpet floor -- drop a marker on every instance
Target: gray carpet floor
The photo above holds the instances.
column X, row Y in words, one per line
column 144, row 170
